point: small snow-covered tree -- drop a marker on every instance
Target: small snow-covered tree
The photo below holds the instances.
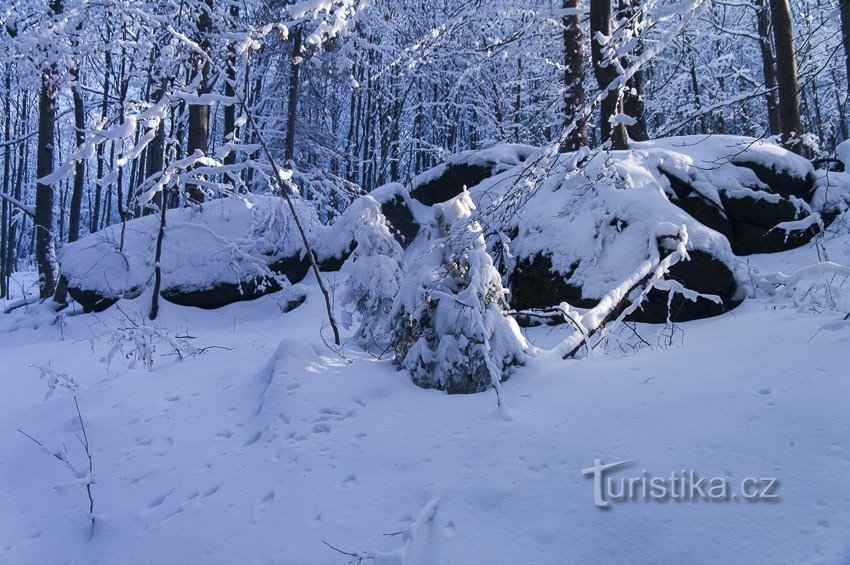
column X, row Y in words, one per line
column 450, row 330
column 374, row 274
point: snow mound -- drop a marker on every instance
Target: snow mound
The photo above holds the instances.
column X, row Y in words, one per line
column 589, row 222
column 213, row 254
column 755, row 193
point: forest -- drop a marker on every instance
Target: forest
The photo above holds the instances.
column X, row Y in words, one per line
column 250, row 251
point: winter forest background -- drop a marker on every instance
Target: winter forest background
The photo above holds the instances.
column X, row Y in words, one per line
column 248, row 246
column 354, row 95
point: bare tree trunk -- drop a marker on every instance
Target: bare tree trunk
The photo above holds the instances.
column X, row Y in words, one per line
column 292, row 106
column 633, row 101
column 768, row 63
column 80, row 168
column 104, row 108
column 606, row 74
column 5, row 270
column 574, row 96
column 230, row 92
column 13, row 243
column 61, row 294
column 786, row 74
column 45, row 250
column 157, row 270
column 199, row 114
column 844, row 8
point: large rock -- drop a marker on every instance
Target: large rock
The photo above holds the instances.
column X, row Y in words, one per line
column 586, row 229
column 751, row 223
column 220, row 252
column 466, row 169
column 755, row 193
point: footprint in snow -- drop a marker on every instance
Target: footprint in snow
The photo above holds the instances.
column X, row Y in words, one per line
column 349, row 482
column 159, row 499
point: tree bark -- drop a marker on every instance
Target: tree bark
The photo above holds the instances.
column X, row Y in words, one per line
column 606, row 75
column 786, row 75
column 199, row 114
column 45, row 250
column 574, row 95
column 633, row 101
column 99, row 156
column 230, row 91
column 768, row 63
column 80, row 167
column 844, row 9
column 292, row 106
column 5, row 271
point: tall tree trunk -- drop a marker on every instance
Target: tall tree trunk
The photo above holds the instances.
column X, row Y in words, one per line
column 80, row 168
column 768, row 64
column 199, row 114
column 633, row 101
column 606, row 74
column 230, row 91
column 5, row 221
column 99, row 155
column 45, row 250
column 23, row 151
column 574, row 96
column 844, row 9
column 786, row 74
column 61, row 294
column 292, row 106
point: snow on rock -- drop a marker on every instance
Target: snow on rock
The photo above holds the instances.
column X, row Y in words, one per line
column 754, row 192
column 590, row 222
column 214, row 254
column 466, row 169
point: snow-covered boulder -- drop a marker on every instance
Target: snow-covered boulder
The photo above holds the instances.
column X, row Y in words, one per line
column 590, row 221
column 466, row 169
column 754, row 192
column 214, row 254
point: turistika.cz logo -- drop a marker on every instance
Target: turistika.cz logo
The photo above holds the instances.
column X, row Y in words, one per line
column 683, row 485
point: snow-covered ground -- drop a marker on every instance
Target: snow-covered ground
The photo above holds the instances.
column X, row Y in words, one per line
column 268, row 445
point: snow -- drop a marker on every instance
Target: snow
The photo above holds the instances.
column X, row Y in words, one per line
column 499, row 157
column 263, row 451
column 599, row 223
column 229, row 240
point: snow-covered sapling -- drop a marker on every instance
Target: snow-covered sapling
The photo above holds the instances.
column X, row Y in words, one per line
column 450, row 329
column 82, row 477
column 374, row 275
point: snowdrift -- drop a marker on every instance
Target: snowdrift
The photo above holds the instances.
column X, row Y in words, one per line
column 213, row 254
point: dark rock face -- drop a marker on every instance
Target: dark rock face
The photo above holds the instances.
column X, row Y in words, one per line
column 781, row 182
column 294, row 268
column 334, row 263
column 225, row 294
column 221, row 295
column 449, row 184
column 753, row 222
column 398, row 214
column 90, row 300
column 703, row 274
column 748, row 223
column 534, row 285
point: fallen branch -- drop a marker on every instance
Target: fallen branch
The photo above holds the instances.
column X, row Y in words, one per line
column 621, row 301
